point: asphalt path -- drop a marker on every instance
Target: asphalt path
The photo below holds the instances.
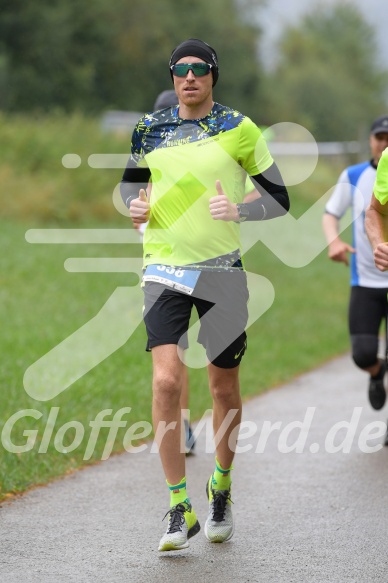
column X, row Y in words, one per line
column 310, row 501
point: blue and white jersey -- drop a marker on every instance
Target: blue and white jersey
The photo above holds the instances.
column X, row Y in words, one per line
column 354, row 190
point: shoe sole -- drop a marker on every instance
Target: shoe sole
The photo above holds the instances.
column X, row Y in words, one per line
column 217, row 540
column 192, row 532
column 172, row 547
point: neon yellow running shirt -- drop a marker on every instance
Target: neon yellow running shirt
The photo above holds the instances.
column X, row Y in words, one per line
column 185, row 158
column 380, row 188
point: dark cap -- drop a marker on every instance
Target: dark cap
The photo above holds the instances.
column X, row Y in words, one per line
column 166, row 99
column 380, row 125
column 194, row 47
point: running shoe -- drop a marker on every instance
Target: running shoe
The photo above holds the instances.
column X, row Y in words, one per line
column 189, row 439
column 182, row 525
column 219, row 524
column 376, row 391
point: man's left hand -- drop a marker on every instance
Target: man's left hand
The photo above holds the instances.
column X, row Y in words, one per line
column 221, row 209
column 381, row 256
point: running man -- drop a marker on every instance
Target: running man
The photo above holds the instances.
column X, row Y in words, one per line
column 164, row 100
column 197, row 155
column 369, row 286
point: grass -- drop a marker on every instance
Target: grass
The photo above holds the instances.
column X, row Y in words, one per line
column 42, row 304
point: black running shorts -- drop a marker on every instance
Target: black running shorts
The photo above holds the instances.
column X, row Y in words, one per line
column 220, row 299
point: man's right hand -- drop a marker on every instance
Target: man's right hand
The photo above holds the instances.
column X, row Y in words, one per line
column 139, row 209
column 338, row 251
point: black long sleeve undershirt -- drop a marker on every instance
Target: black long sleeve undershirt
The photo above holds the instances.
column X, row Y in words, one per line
column 132, row 181
column 274, row 201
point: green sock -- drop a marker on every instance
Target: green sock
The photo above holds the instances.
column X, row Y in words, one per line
column 221, row 479
column 178, row 492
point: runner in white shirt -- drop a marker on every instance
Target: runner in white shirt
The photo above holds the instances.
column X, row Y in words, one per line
column 368, row 305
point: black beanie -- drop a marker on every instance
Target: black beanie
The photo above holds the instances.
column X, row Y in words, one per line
column 196, row 48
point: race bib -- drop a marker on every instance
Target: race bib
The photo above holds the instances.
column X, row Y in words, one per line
column 183, row 280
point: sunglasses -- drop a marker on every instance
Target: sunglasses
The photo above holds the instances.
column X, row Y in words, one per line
column 199, row 69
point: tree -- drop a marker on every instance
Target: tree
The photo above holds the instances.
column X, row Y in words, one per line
column 74, row 54
column 327, row 79
column 51, row 51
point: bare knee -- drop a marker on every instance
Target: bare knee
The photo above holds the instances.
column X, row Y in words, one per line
column 167, row 385
column 225, row 389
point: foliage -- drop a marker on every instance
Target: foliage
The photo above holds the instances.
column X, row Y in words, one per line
column 53, row 52
column 36, row 185
column 114, row 55
column 74, row 56
column 327, row 74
